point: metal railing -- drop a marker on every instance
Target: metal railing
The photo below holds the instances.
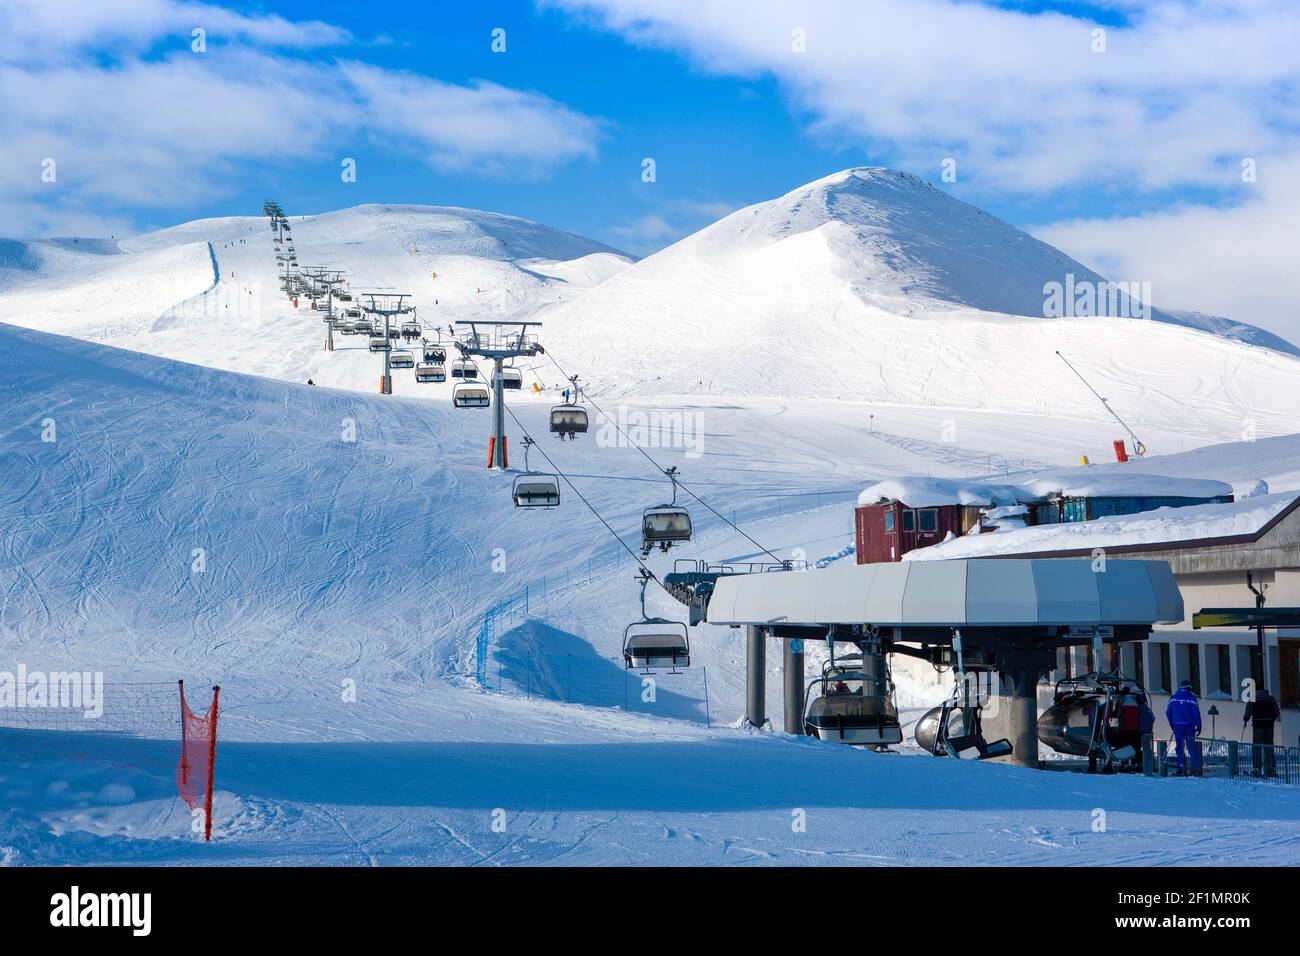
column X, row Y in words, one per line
column 1227, row 759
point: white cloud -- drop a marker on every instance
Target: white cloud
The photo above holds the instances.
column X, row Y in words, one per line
column 32, row 29
column 459, row 127
column 1241, row 261
column 129, row 129
column 671, row 221
column 1019, row 99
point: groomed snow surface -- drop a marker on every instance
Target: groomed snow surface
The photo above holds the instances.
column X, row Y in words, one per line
column 332, row 563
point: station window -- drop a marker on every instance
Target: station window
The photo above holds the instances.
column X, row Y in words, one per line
column 889, row 522
column 909, row 520
column 928, row 520
column 1194, row 668
column 1166, row 670
column 1139, row 664
column 1223, row 656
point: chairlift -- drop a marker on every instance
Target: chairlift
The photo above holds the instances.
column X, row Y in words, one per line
column 464, row 368
column 379, row 343
column 664, row 525
column 534, row 489
column 954, row 728
column 568, row 420
column 365, row 325
column 434, row 354
column 343, row 296
column 401, row 358
column 411, row 330
column 471, row 395
column 430, row 372
column 512, row 378
column 854, row 704
column 1087, row 716
column 655, row 642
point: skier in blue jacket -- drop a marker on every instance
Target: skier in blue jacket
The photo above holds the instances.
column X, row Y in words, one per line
column 1184, row 716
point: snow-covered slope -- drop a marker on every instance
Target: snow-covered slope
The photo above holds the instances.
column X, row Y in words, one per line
column 326, row 561
column 873, row 285
column 208, row 291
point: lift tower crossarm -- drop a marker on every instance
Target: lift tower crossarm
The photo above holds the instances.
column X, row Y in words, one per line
column 490, row 339
column 387, row 304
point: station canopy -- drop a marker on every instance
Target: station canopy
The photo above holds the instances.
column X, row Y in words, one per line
column 1015, row 593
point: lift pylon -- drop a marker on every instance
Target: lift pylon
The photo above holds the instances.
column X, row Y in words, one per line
column 498, row 341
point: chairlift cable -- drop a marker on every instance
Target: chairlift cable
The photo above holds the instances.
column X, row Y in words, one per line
column 617, row 537
column 660, row 469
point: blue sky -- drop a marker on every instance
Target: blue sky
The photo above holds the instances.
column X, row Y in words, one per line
column 1128, row 157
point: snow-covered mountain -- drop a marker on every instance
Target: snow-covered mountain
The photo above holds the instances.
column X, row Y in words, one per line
column 208, row 291
column 872, row 285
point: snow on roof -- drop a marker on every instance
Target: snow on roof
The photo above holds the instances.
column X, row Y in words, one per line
column 933, row 492
column 1089, row 482
column 1118, row 481
column 1170, row 526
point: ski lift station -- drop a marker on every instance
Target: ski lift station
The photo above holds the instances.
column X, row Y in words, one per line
column 1005, row 619
column 1238, row 569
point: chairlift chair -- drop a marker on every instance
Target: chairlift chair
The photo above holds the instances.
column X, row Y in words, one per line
column 434, row 354
column 655, row 642
column 464, row 368
column 430, row 372
column 865, row 717
column 512, row 378
column 379, row 343
column 953, row 729
column 401, row 358
column 471, row 395
column 665, row 525
column 1084, row 719
column 534, row 489
column 568, row 420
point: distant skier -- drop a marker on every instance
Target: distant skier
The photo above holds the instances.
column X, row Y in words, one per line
column 1262, row 713
column 310, row 382
column 1184, row 715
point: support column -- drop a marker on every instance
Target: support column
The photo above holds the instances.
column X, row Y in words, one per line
column 1020, row 697
column 755, row 675
column 1016, row 714
column 498, row 459
column 793, row 669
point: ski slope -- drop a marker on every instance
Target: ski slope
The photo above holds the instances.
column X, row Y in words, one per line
column 806, row 348
column 329, row 561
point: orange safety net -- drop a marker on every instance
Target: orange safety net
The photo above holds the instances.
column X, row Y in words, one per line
column 194, row 772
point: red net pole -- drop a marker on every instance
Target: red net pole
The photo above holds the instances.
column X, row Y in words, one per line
column 197, row 767
column 212, row 764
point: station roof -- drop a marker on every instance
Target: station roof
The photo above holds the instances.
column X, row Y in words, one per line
column 960, row 593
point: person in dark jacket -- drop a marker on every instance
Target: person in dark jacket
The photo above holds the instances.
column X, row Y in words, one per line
column 1262, row 714
column 1184, row 715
